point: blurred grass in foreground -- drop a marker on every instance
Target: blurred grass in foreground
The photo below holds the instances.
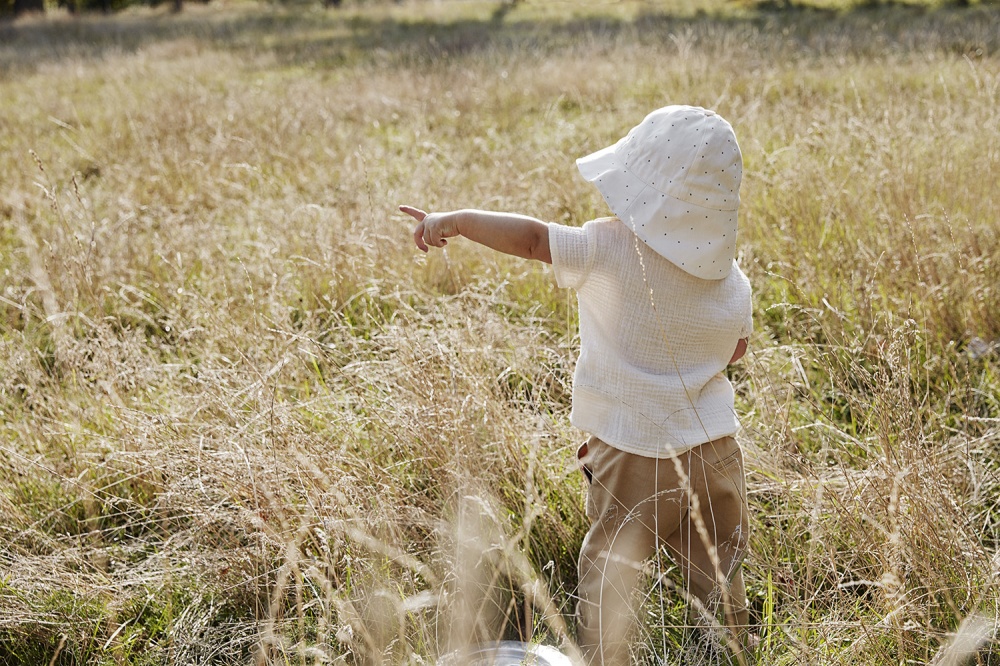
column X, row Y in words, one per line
column 243, row 419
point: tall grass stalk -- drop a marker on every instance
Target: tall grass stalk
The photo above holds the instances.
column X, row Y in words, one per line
column 243, row 420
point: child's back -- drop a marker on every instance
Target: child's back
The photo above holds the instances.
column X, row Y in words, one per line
column 655, row 341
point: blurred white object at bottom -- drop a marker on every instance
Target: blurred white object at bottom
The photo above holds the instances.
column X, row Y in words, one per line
column 506, row 653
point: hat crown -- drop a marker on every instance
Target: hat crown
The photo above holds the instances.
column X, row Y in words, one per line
column 689, row 153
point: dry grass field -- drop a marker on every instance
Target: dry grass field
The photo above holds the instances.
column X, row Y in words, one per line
column 244, row 420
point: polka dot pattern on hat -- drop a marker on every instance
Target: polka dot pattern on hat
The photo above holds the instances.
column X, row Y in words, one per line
column 675, row 180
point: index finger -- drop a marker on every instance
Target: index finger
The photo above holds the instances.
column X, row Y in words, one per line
column 415, row 213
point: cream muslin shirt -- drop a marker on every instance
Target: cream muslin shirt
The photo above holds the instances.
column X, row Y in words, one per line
column 654, row 341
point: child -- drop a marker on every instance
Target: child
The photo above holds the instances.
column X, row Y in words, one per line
column 663, row 309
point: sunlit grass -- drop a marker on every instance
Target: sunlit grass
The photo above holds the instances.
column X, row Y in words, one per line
column 242, row 418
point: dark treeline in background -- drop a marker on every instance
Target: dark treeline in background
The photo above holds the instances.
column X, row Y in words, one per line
column 13, row 8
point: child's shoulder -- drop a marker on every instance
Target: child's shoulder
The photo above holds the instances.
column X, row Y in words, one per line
column 598, row 230
column 611, row 222
column 606, row 226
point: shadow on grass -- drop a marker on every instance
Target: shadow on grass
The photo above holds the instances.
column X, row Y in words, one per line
column 307, row 36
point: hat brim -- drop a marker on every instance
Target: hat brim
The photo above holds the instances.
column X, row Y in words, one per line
column 594, row 165
column 698, row 240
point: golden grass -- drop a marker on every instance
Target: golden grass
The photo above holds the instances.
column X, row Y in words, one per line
column 243, row 419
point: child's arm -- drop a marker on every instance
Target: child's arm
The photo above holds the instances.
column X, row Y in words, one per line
column 741, row 349
column 519, row 235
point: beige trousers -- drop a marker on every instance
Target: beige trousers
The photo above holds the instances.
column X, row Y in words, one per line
column 694, row 506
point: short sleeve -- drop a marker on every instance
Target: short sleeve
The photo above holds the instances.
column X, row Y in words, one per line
column 572, row 250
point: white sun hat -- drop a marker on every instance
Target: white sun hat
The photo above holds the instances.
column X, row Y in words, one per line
column 675, row 181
